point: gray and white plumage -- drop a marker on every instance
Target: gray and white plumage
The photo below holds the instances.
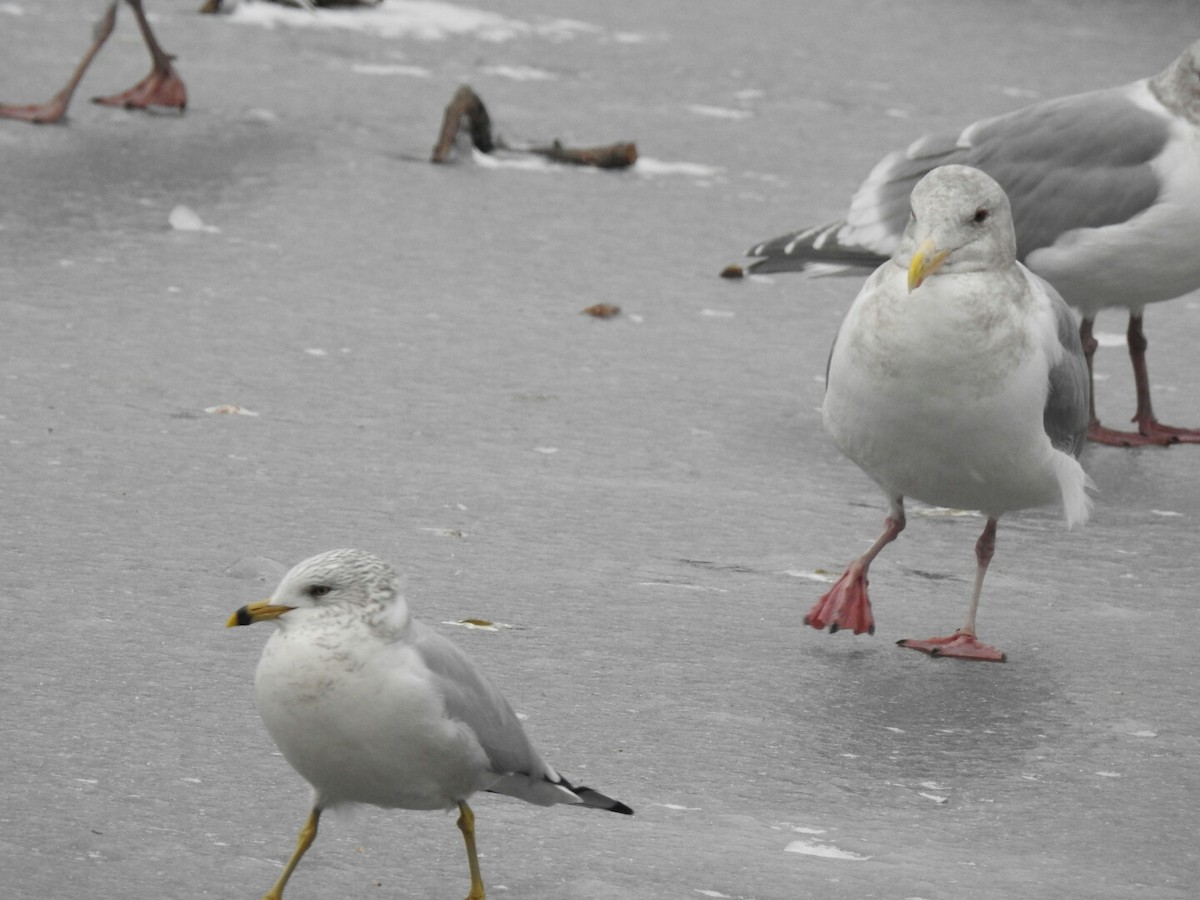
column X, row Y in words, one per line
column 1105, row 193
column 370, row 705
column 957, row 378
column 970, row 391
column 1088, row 175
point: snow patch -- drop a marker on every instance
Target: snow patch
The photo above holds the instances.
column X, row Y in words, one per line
column 821, row 575
column 422, row 20
column 184, row 218
column 648, row 166
column 932, row 512
column 391, row 69
column 519, row 73
column 525, row 163
column 823, row 850
column 718, row 112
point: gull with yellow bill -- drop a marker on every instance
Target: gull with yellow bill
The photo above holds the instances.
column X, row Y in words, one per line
column 371, row 706
column 957, row 378
column 1105, row 194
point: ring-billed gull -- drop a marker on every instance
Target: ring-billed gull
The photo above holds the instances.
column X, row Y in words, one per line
column 957, row 378
column 162, row 87
column 372, row 706
column 1105, row 193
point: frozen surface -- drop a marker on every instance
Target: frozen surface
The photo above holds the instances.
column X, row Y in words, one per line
column 269, row 328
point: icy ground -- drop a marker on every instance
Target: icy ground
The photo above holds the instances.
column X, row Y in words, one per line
column 648, row 501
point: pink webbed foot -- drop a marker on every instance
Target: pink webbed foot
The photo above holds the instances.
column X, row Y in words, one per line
column 1110, row 437
column 1150, row 433
column 48, row 113
column 846, row 605
column 1168, row 434
column 163, row 88
column 960, row 645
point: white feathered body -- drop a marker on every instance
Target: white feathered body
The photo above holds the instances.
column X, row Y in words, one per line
column 383, row 710
column 938, row 394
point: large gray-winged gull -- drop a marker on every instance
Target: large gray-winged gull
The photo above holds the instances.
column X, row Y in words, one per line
column 371, row 706
column 957, row 378
column 1105, row 192
column 162, row 87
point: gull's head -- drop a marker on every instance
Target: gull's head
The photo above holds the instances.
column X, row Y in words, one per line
column 1178, row 88
column 347, row 578
column 960, row 222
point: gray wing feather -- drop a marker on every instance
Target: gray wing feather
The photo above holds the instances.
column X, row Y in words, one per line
column 472, row 698
column 1065, row 416
column 1076, row 162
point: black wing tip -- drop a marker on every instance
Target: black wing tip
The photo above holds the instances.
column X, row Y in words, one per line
column 597, row 800
column 800, row 250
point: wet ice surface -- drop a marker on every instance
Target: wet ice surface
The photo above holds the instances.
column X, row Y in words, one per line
column 405, row 344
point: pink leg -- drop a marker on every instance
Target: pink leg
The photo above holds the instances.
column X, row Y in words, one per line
column 846, row 604
column 963, row 643
column 1147, row 422
column 162, row 87
column 55, row 109
column 1150, row 431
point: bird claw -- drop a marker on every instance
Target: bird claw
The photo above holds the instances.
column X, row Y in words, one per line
column 164, row 89
column 960, row 645
column 48, row 113
column 845, row 605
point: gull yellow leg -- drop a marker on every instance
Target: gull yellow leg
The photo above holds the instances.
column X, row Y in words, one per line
column 307, row 835
column 466, row 824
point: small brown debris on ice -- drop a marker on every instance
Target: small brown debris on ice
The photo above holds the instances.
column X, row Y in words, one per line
column 602, row 310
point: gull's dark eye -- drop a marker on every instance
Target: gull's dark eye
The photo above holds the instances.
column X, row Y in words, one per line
column 318, row 590
column 981, row 216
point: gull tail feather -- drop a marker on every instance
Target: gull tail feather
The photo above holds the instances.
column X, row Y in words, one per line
column 553, row 788
column 597, row 800
column 1074, row 483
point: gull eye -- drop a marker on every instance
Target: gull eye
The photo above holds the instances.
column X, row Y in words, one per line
column 318, row 590
column 981, row 215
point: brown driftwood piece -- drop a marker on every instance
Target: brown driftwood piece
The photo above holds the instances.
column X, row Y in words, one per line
column 465, row 104
column 620, row 155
